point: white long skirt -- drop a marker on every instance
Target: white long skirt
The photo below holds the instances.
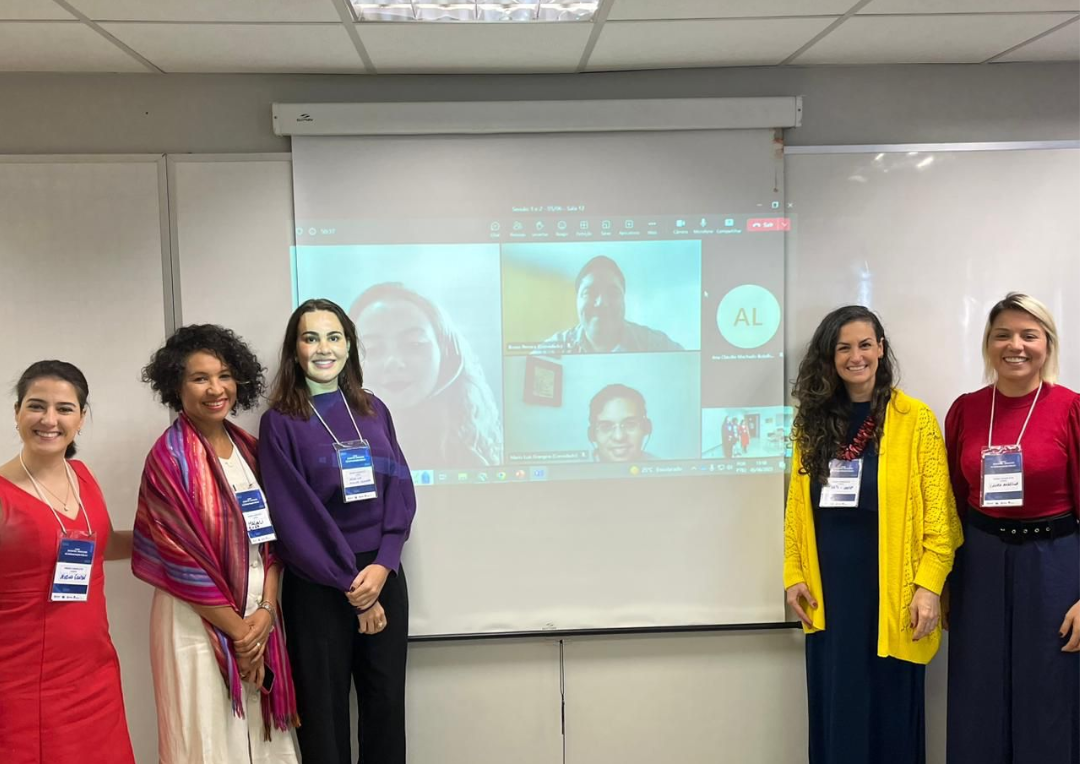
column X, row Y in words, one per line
column 196, row 723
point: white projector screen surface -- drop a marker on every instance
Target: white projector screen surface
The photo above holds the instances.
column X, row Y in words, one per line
column 580, row 338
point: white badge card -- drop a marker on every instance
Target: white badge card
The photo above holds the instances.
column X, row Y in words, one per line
column 845, row 478
column 357, row 470
column 1002, row 476
column 256, row 516
column 74, row 563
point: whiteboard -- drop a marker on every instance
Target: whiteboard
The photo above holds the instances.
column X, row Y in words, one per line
column 81, row 251
column 931, row 238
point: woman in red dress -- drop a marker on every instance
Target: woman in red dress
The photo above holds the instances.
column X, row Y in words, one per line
column 60, row 696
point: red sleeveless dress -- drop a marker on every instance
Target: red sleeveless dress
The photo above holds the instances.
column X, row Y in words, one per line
column 60, row 696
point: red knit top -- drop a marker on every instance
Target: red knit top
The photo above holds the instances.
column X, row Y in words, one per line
column 1051, row 447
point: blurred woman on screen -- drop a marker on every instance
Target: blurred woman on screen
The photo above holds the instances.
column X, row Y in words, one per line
column 728, row 435
column 341, row 496
column 222, row 680
column 1014, row 617
column 870, row 534
column 60, row 694
column 443, row 405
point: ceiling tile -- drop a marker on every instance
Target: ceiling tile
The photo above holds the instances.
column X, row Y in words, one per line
column 926, row 39
column 724, row 9
column 208, row 10
column 41, row 10
column 1062, row 45
column 968, row 6
column 453, row 47
column 675, row 44
column 31, row 46
column 241, row 48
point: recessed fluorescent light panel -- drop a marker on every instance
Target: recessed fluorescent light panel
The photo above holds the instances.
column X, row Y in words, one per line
column 434, row 10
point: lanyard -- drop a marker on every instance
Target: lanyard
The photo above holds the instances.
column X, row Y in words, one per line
column 249, row 476
column 71, row 484
column 324, row 424
column 993, row 401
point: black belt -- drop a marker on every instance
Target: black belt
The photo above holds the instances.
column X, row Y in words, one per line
column 1019, row 531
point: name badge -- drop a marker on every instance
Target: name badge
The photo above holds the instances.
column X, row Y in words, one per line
column 74, row 563
column 256, row 516
column 1002, row 477
column 845, row 479
column 357, row 470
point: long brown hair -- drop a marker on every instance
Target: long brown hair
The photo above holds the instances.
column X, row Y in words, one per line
column 460, row 415
column 821, row 422
column 290, row 395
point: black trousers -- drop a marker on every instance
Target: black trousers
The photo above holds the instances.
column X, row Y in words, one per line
column 328, row 653
column 1014, row 697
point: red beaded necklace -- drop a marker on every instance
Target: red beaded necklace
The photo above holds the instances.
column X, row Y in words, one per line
column 858, row 445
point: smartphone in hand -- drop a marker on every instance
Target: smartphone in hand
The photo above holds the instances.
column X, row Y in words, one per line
column 268, row 679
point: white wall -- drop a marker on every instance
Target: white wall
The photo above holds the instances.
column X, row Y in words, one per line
column 736, row 697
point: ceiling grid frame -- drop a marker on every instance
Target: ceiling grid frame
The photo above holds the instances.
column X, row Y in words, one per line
column 345, row 13
column 88, row 22
column 599, row 19
column 1048, row 32
column 111, row 19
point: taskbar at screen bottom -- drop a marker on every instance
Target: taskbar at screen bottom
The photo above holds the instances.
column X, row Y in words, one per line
column 523, row 473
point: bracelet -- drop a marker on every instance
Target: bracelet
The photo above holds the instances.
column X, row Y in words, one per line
column 268, row 607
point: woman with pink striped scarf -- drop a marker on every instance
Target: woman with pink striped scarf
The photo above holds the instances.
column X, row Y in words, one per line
column 203, row 538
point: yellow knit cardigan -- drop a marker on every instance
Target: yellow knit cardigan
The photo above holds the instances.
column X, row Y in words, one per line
column 918, row 529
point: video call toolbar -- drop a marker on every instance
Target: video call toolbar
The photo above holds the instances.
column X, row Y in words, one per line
column 770, row 219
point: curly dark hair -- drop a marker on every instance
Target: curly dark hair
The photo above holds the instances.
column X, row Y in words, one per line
column 821, row 422
column 165, row 372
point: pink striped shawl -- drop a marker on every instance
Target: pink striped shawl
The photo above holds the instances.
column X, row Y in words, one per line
column 191, row 541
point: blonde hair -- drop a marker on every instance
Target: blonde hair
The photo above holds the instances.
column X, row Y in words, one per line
column 1025, row 304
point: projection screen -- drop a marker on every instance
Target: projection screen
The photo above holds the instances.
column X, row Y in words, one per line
column 580, row 338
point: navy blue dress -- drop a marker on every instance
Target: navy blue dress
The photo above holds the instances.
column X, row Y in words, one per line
column 863, row 709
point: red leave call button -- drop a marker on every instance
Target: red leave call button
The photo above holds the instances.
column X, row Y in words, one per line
column 768, row 224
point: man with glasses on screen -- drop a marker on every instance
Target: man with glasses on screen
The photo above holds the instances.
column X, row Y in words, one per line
column 619, row 426
column 602, row 326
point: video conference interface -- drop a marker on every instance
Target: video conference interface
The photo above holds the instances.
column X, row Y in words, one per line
column 552, row 343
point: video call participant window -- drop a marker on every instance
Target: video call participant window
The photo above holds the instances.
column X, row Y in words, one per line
column 603, row 297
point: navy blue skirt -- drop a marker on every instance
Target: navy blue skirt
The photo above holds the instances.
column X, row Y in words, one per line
column 863, row 709
column 1014, row 697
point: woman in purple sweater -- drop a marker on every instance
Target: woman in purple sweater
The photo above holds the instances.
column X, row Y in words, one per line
column 341, row 498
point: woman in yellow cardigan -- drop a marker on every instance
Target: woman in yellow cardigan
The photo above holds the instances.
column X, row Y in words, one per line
column 870, row 533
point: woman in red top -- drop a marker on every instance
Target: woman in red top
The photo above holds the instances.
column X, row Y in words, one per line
column 1014, row 639
column 60, row 697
